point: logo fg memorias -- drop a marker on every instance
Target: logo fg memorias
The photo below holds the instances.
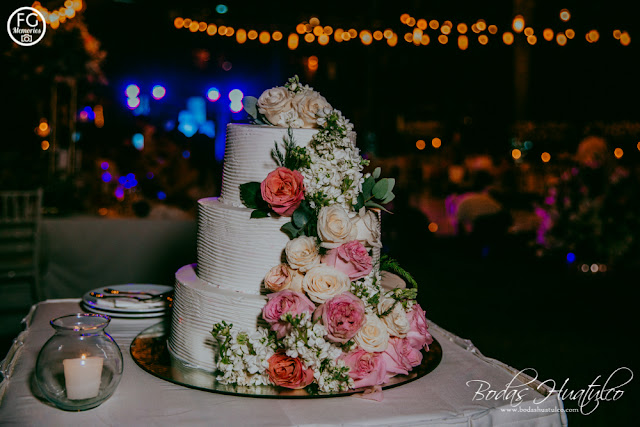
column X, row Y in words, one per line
column 26, row 26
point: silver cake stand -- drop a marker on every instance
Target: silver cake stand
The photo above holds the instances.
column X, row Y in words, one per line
column 149, row 350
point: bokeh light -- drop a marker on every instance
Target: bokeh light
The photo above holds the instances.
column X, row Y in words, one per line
column 565, row 15
column 618, row 153
column 516, row 154
column 436, row 142
column 420, row 144
column 132, row 91
column 518, row 24
column 213, row 94
column 545, row 157
column 158, row 92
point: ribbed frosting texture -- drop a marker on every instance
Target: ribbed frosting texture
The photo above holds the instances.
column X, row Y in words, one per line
column 235, row 251
column 197, row 307
column 248, row 158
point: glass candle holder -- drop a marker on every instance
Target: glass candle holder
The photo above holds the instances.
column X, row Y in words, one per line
column 80, row 366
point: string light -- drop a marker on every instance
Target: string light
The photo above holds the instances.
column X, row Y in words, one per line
column 463, row 42
column 618, row 152
column 565, row 15
column 625, row 39
column 436, row 142
column 518, row 24
column 443, row 39
column 545, row 157
column 561, row 39
column 420, row 144
column 265, row 37
column 462, row 28
column 516, row 154
column 292, row 41
column 570, row 33
column 483, row 39
column 548, row 34
column 507, row 38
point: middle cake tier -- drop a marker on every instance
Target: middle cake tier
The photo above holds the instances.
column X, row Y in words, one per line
column 236, row 251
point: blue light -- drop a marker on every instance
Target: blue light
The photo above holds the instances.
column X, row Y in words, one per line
column 208, row 128
column 236, row 95
column 149, row 175
column 213, row 94
column 222, row 9
column 104, row 166
column 187, row 129
column 132, row 91
column 143, row 106
column 186, row 154
column 133, row 183
column 106, row 177
column 90, row 114
column 122, row 180
column 528, row 145
column 130, row 176
column 571, row 257
column 169, row 125
column 158, row 92
column 162, row 195
column 138, row 141
column 119, row 193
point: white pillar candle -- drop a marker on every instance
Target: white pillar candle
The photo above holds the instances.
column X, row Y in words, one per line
column 82, row 377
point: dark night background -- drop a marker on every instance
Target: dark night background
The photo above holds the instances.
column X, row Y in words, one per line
column 489, row 286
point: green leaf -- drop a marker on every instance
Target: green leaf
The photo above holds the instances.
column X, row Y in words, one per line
column 371, row 204
column 290, row 230
column 259, row 213
column 383, row 187
column 376, row 173
column 300, row 218
column 367, row 186
column 360, row 203
column 250, row 195
column 390, row 196
column 250, row 104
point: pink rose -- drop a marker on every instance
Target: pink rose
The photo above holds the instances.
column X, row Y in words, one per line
column 288, row 372
column 278, row 278
column 342, row 316
column 351, row 258
column 366, row 369
column 401, row 357
column 283, row 190
column 283, row 302
column 418, row 336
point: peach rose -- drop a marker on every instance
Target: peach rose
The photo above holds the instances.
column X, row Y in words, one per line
column 283, row 190
column 278, row 278
column 273, row 102
column 367, row 227
column 288, row 372
column 323, row 282
column 373, row 336
column 302, row 253
column 335, row 227
column 308, row 103
column 351, row 258
column 396, row 321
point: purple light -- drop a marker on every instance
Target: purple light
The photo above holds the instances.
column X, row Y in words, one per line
column 571, row 257
column 119, row 193
column 149, row 175
column 158, row 92
column 104, row 166
column 130, row 176
column 122, row 180
column 106, row 177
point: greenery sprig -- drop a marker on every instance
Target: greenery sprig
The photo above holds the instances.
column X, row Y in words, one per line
column 392, row 266
column 376, row 192
column 303, row 222
column 294, row 157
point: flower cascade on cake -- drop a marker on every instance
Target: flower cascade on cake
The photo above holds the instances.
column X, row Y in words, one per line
column 332, row 327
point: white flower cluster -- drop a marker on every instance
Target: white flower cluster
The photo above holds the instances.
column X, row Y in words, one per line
column 245, row 360
column 306, row 341
column 335, row 174
column 367, row 289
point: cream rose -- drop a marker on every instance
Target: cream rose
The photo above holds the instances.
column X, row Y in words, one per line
column 396, row 321
column 308, row 104
column 302, row 253
column 323, row 282
column 373, row 336
column 335, row 227
column 273, row 102
column 296, row 280
column 367, row 228
column 278, row 278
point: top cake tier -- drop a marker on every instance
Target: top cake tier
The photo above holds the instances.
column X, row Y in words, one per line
column 248, row 158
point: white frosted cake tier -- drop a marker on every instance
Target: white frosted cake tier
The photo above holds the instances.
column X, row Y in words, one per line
column 197, row 307
column 236, row 251
column 248, row 158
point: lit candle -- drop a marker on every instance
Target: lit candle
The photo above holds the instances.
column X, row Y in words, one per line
column 82, row 377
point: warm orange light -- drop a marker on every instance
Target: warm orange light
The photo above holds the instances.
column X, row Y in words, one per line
column 516, row 154
column 561, row 39
column 222, row 30
column 443, row 39
column 241, row 36
column 377, row 35
column 300, row 28
column 422, row 24
column 77, row 5
column 337, row 35
column 617, row 34
column 194, row 26
column 593, row 35
column 323, row 40
column 462, row 28
column 425, row 40
column 417, row 35
column 507, row 38
column 55, row 24
column 545, row 157
column 565, row 15
column 436, row 142
column 314, row 21
column 185, row 24
column 518, row 24
column 474, row 28
column 43, row 127
column 264, row 37
column 528, row 31
column 309, row 38
column 178, row 22
column 493, row 29
column 292, row 41
column 45, row 145
column 463, row 42
column 393, row 40
column 229, row 32
column 404, row 17
column 481, row 25
column 366, row 37
column 420, row 144
column 307, row 28
column 625, row 39
column 328, row 30
column 251, row 35
column 318, row 31
column 547, row 34
column 638, row 146
column 408, row 37
column 276, row 36
column 433, row 227
column 618, row 152
column 353, row 33
column 411, row 21
column 346, row 36
column 570, row 33
column 212, row 29
column 483, row 39
column 312, row 63
column 202, row 26
column 532, row 40
column 387, row 34
column 434, row 24
column 445, row 29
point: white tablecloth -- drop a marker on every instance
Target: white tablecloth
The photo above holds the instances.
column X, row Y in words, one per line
column 81, row 253
column 440, row 398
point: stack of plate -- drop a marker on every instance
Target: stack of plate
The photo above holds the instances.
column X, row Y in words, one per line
column 128, row 307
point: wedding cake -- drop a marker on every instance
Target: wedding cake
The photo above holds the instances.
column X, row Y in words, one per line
column 287, row 289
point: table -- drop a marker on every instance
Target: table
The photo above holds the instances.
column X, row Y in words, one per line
column 81, row 253
column 440, row 398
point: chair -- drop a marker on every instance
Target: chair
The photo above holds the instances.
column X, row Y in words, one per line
column 20, row 224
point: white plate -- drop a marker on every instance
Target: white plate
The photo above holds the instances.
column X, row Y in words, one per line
column 128, row 315
column 109, row 304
